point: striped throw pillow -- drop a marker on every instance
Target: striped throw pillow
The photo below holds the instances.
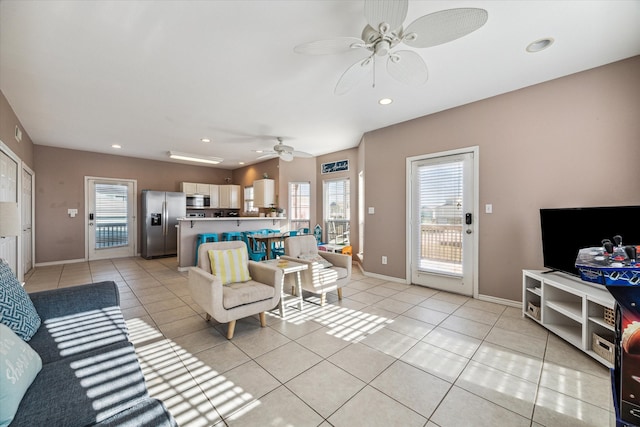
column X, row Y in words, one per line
column 230, row 265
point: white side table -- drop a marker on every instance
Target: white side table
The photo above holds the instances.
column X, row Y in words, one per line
column 288, row 267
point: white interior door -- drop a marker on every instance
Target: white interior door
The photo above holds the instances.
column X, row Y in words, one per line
column 27, row 219
column 111, row 218
column 9, row 193
column 442, row 222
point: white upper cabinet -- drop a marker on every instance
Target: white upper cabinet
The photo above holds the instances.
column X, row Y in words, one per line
column 229, row 196
column 189, row 187
column 264, row 193
column 214, row 196
column 203, row 189
column 195, row 188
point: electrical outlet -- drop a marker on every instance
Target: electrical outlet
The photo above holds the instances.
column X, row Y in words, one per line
column 384, row 259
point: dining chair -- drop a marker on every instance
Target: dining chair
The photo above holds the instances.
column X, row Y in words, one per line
column 257, row 250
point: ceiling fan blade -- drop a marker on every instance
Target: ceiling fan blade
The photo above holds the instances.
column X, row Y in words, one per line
column 329, row 46
column 444, row 26
column 407, row 67
column 392, row 12
column 267, row 156
column 302, row 154
column 354, row 75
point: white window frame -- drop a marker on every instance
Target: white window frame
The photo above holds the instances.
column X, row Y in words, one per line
column 329, row 218
column 296, row 222
column 248, row 199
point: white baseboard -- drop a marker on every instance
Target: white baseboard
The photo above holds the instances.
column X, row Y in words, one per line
column 383, row 277
column 66, row 261
column 508, row 302
column 487, row 298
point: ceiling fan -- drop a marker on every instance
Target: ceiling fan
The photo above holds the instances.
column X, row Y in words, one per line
column 385, row 31
column 285, row 152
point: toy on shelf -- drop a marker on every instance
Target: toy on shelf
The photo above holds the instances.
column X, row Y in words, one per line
column 610, row 264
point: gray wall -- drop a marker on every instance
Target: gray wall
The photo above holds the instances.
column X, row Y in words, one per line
column 8, row 123
column 60, row 186
column 574, row 141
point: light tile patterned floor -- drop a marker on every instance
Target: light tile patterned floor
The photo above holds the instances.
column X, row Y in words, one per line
column 388, row 354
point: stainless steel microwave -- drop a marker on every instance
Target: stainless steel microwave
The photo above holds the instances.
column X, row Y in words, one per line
column 197, row 201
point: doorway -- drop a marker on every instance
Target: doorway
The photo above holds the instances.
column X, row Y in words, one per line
column 9, row 182
column 27, row 218
column 442, row 227
column 111, row 218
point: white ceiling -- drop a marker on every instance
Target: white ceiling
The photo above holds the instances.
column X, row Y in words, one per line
column 155, row 76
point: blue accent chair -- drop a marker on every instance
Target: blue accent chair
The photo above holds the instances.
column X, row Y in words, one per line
column 204, row 238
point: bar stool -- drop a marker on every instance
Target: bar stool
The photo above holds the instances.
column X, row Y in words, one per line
column 204, row 238
column 231, row 235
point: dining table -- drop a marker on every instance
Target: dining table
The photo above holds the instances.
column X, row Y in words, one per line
column 268, row 240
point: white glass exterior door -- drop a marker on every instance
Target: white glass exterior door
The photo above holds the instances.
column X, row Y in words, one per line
column 442, row 236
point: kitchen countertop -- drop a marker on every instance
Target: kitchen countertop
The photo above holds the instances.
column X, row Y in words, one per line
column 231, row 218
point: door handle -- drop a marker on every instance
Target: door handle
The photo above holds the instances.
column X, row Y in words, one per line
column 469, row 231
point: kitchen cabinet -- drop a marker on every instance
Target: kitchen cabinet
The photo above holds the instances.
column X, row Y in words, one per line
column 229, row 196
column 214, row 196
column 195, row 188
column 264, row 193
column 188, row 187
column 203, row 189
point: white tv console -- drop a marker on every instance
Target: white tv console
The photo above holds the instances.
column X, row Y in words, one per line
column 570, row 308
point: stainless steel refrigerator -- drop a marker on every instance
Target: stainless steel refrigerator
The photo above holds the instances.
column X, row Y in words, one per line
column 160, row 210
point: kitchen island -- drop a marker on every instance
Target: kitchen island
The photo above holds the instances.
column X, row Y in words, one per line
column 189, row 228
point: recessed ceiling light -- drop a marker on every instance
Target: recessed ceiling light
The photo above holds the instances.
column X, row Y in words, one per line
column 205, row 140
column 116, row 146
column 241, row 163
column 259, row 151
column 539, row 45
column 385, row 101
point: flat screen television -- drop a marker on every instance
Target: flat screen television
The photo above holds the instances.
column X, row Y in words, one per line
column 565, row 231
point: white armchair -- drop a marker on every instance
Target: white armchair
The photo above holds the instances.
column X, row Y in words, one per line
column 318, row 279
column 227, row 303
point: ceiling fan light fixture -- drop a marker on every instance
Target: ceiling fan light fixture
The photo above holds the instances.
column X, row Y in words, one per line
column 540, row 45
column 382, row 47
column 195, row 158
column 286, row 156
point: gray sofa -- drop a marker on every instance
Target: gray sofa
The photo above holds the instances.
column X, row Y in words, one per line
column 90, row 374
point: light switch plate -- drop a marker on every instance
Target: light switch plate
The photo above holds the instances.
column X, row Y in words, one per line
column 488, row 208
column 372, row 210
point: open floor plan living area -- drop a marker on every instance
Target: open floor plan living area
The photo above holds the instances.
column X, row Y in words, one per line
column 327, row 213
